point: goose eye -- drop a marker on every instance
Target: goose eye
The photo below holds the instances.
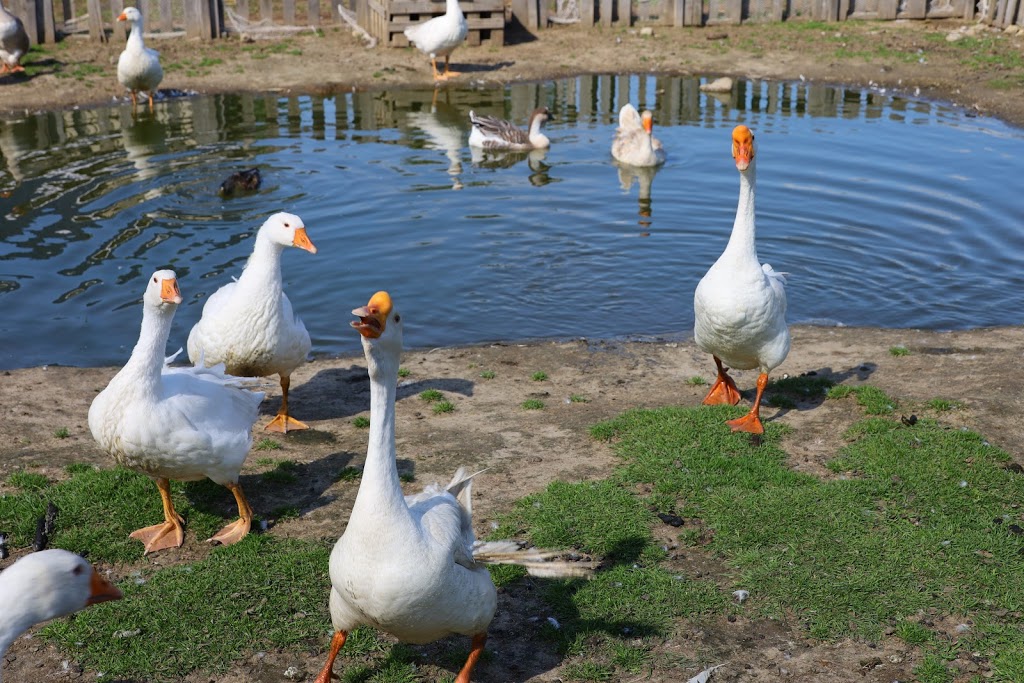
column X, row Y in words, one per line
column 397, row 318
column 78, row 570
column 287, row 225
column 154, row 279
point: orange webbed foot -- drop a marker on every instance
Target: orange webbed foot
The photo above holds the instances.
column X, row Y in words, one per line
column 284, row 424
column 160, row 536
column 748, row 423
column 232, row 533
column 723, row 392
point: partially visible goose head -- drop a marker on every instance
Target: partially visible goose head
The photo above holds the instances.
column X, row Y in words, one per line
column 46, row 585
column 742, row 147
column 647, row 121
column 288, row 230
column 131, row 15
column 162, row 292
column 381, row 329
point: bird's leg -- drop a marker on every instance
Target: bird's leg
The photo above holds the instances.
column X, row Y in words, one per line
column 723, row 391
column 475, row 651
column 751, row 422
column 336, row 642
column 150, row 93
column 134, row 102
column 170, row 534
column 448, row 73
column 282, row 422
column 236, row 531
column 16, row 68
column 4, row 68
column 433, row 64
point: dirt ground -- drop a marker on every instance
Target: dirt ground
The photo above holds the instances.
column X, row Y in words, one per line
column 524, row 450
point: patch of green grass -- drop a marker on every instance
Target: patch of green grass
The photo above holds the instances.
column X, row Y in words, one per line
column 431, row 395
column 61, row 433
column 488, row 374
column 697, row 381
column 285, row 512
column 802, row 386
column 539, row 376
column 942, row 404
column 283, row 473
column 629, row 657
column 578, row 398
column 267, row 444
column 532, row 404
column 361, row 421
column 406, row 477
column 913, row 633
column 404, row 372
column 872, row 399
column 588, row 671
column 443, row 407
column 899, row 351
column 28, row 481
column 349, row 474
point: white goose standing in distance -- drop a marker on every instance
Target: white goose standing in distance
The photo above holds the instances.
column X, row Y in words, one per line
column 438, row 37
column 410, row 565
column 249, row 324
column 490, row 132
column 176, row 423
column 634, row 143
column 138, row 67
column 46, row 585
column 740, row 305
column 13, row 42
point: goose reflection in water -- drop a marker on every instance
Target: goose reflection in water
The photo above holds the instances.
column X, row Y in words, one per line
column 143, row 139
column 443, row 127
column 497, row 158
column 644, row 177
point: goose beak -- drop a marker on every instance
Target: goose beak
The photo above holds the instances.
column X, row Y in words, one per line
column 169, row 291
column 101, row 590
column 122, row 17
column 742, row 147
column 301, row 240
column 648, row 122
column 373, row 316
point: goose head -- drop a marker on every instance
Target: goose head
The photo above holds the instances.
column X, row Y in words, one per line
column 50, row 584
column 381, row 329
column 162, row 291
column 647, row 121
column 287, row 230
column 742, row 147
column 131, row 15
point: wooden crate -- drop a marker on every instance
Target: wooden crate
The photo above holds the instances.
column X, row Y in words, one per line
column 387, row 19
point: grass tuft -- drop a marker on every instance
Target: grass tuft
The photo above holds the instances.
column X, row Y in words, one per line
column 539, row 376
column 532, row 404
column 431, row 395
column 361, row 421
column 442, row 407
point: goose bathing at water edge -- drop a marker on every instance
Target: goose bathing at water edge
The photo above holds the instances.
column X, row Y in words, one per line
column 411, row 565
column 740, row 305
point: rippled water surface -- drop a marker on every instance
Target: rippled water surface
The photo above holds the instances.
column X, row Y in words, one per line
column 885, row 211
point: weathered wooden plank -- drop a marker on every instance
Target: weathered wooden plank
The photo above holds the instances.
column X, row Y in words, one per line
column 266, row 9
column 119, row 29
column 193, row 21
column 778, row 10
column 166, row 22
column 438, row 8
column 399, row 24
column 533, row 13
column 543, row 10
column 48, row 27
column 624, row 12
column 29, row 19
column 677, row 12
column 288, row 7
column 844, row 10
column 969, row 10
column 242, row 8
column 990, row 11
column 734, row 11
column 313, row 16
column 69, row 10
column 915, row 9
column 586, row 13
column 96, row 31
column 606, row 12
column 887, row 9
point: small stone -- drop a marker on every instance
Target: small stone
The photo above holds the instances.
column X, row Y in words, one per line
column 723, row 84
column 647, row 31
column 294, row 673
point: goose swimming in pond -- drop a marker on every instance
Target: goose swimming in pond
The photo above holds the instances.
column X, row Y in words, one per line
column 13, row 42
column 138, row 67
column 46, row 585
column 410, row 565
column 740, row 305
column 175, row 423
column 438, row 37
column 634, row 142
column 490, row 132
column 249, row 324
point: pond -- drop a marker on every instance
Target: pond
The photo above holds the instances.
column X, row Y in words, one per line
column 885, row 211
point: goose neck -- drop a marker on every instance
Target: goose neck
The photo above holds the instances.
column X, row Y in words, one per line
column 452, row 7
column 537, row 139
column 742, row 241
column 380, row 488
column 263, row 268
column 135, row 36
column 147, row 360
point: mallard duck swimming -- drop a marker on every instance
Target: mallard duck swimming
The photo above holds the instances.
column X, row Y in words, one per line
column 438, row 37
column 740, row 305
column 490, row 132
column 138, row 67
column 241, row 182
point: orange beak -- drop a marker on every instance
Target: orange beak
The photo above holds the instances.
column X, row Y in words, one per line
column 122, row 17
column 742, row 147
column 169, row 291
column 648, row 121
column 101, row 590
column 302, row 241
column 373, row 316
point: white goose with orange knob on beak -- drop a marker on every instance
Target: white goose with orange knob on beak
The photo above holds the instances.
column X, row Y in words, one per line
column 46, row 585
column 249, row 324
column 410, row 565
column 740, row 305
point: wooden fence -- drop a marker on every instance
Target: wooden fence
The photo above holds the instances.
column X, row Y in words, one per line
column 47, row 20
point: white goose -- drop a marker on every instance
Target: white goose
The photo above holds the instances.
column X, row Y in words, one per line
column 634, row 142
column 175, row 423
column 46, row 585
column 249, row 325
column 490, row 132
column 438, row 37
column 138, row 67
column 410, row 565
column 740, row 305
column 13, row 42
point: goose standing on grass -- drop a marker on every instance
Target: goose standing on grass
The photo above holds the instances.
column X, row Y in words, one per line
column 249, row 325
column 740, row 305
column 138, row 67
column 13, row 42
column 490, row 132
column 46, row 585
column 176, row 423
column 410, row 565
column 438, row 37
column 634, row 142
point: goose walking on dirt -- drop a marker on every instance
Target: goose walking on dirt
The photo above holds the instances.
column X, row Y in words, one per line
column 740, row 305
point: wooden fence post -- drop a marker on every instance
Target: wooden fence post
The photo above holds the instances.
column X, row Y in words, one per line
column 96, row 31
column 606, row 12
column 625, row 12
column 313, row 15
column 118, row 29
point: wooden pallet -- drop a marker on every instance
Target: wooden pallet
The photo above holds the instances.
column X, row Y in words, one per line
column 387, row 19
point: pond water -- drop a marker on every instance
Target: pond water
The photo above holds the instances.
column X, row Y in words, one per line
column 886, row 211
